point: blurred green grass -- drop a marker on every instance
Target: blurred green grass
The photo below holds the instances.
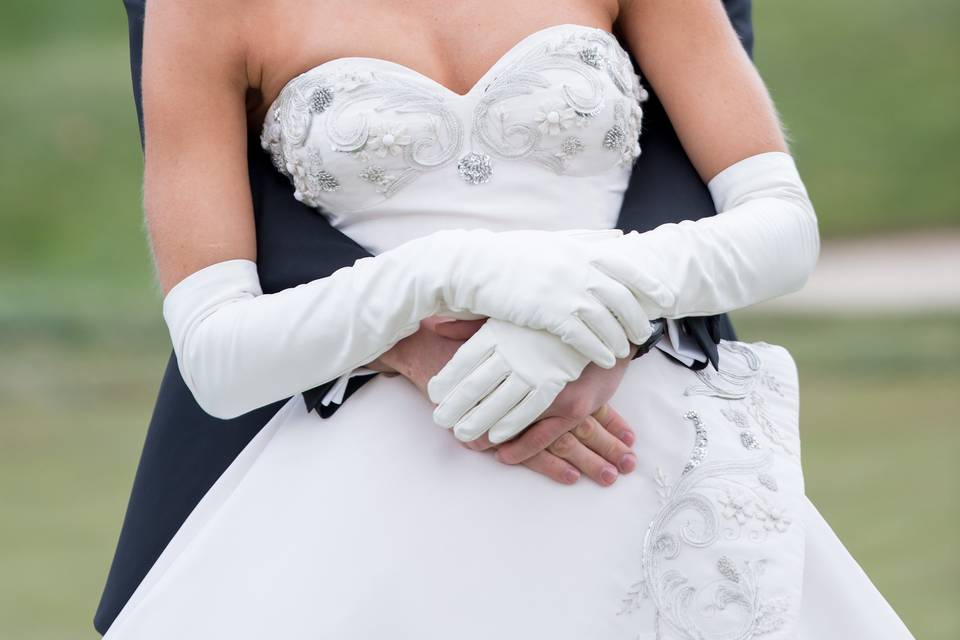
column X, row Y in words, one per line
column 869, row 91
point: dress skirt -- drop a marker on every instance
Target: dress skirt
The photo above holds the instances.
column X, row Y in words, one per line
column 375, row 523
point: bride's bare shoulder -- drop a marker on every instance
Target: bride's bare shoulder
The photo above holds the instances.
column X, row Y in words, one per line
column 199, row 39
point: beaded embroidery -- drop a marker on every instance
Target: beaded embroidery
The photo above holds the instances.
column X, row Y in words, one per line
column 396, row 126
column 713, row 502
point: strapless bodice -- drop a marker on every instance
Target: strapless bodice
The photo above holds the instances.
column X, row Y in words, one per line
column 545, row 139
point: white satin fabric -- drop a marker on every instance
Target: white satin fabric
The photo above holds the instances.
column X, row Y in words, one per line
column 353, row 527
column 375, row 523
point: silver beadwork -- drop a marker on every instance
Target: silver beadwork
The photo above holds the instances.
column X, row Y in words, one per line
column 748, row 440
column 700, row 442
column 591, row 56
column 614, row 138
column 318, row 178
column 325, row 181
column 728, row 569
column 475, row 167
column 375, row 174
column 321, row 99
column 768, row 481
column 571, row 146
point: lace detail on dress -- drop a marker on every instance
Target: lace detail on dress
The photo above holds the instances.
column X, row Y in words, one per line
column 713, row 503
column 743, row 388
column 551, row 102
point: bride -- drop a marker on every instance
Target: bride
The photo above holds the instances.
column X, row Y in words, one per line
column 483, row 162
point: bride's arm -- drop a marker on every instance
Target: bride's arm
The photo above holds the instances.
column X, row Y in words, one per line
column 238, row 349
column 764, row 243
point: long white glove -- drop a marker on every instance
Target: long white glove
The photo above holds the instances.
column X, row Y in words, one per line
column 764, row 244
column 238, row 349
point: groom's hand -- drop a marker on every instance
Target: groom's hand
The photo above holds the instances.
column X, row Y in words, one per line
column 580, row 429
column 568, row 441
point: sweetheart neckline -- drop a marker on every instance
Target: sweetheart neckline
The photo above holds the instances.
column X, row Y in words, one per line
column 439, row 85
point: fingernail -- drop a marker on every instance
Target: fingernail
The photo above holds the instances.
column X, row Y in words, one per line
column 627, row 438
column 608, row 475
column 570, row 476
column 628, row 463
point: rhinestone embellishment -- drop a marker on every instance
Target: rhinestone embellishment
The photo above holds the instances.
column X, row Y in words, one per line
column 727, row 569
column 475, row 167
column 748, row 440
column 375, row 174
column 591, row 56
column 571, row 146
column 700, row 443
column 321, row 99
column 614, row 138
column 319, row 178
column 325, row 180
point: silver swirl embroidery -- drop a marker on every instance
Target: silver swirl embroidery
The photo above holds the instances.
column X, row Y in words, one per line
column 742, row 386
column 713, row 502
column 684, row 608
column 579, row 54
column 436, row 139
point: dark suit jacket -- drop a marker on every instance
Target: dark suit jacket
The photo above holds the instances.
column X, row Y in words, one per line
column 186, row 450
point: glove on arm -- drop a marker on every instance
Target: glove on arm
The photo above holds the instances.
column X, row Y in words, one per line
column 238, row 349
column 764, row 243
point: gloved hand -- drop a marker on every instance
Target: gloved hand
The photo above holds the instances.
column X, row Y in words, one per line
column 763, row 244
column 238, row 349
column 547, row 280
column 501, row 380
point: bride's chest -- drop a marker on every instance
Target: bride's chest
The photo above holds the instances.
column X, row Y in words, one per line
column 564, row 101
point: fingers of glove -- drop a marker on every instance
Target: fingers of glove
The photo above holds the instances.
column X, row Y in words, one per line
column 557, row 469
column 605, row 444
column 652, row 294
column 579, row 336
column 491, row 409
column 470, row 391
column 624, row 305
column 607, row 327
column 523, row 415
column 571, row 449
column 467, row 359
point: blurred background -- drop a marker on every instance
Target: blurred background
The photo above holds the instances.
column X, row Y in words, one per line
column 869, row 90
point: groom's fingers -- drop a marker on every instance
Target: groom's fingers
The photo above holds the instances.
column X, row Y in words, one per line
column 614, row 423
column 535, row 439
column 571, row 449
column 557, row 469
column 480, row 444
column 605, row 444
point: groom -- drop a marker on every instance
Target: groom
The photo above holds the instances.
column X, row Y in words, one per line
column 186, row 450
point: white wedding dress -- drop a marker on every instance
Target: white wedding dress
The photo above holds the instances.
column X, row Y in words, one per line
column 377, row 524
